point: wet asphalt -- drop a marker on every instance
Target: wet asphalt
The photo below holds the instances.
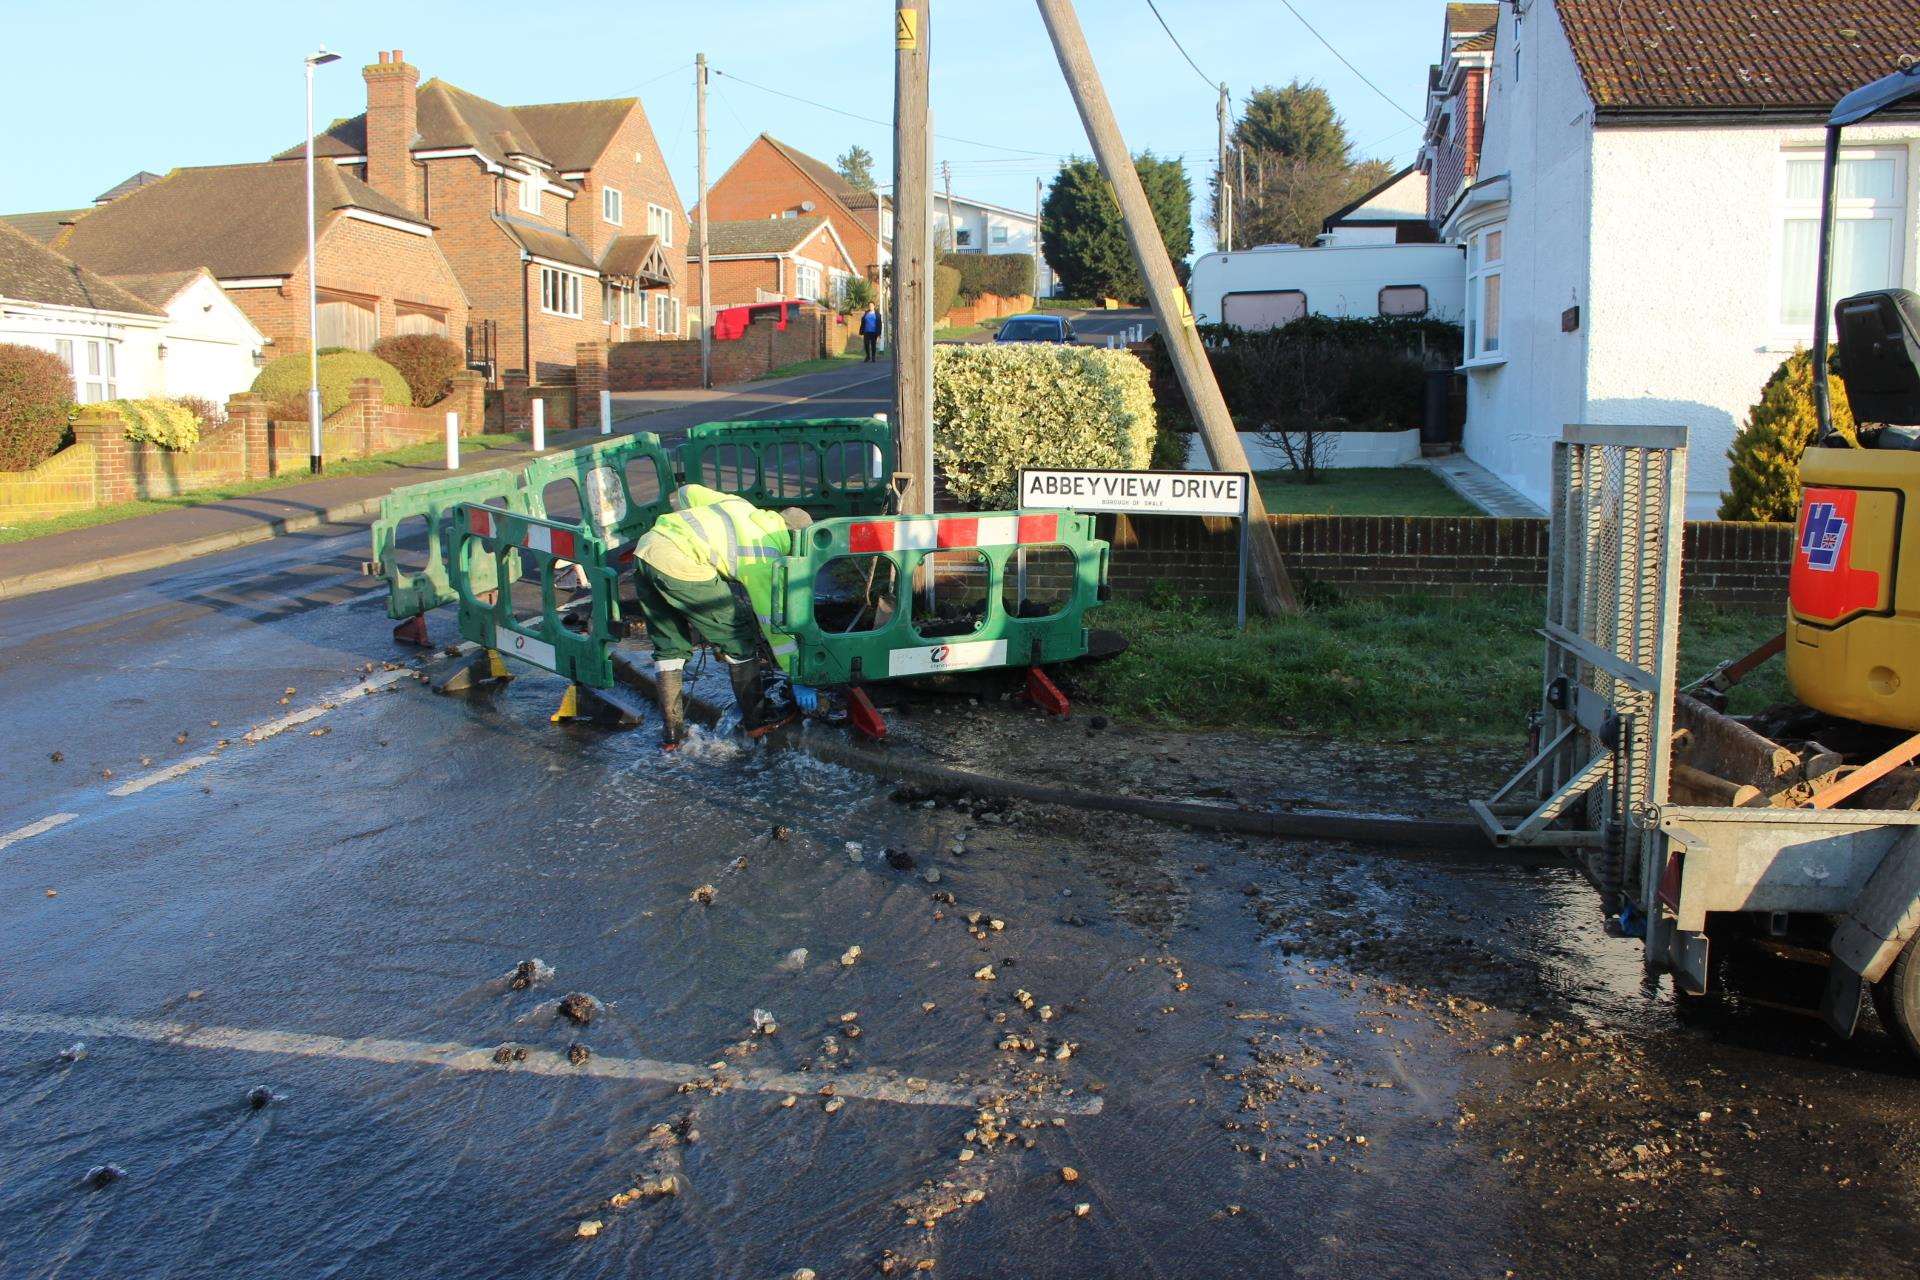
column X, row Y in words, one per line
column 1255, row 1058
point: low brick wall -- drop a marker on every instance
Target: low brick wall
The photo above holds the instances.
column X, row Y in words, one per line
column 764, row 347
column 1736, row 565
column 103, row 467
column 988, row 306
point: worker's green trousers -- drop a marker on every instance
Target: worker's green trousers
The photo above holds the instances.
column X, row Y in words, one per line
column 679, row 614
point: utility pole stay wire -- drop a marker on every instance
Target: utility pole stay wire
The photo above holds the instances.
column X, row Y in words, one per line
column 1211, row 83
column 1349, row 66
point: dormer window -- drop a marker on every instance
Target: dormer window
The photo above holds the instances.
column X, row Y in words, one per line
column 530, row 185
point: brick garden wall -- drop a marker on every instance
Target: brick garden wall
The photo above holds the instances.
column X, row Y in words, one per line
column 656, row 366
column 1738, row 565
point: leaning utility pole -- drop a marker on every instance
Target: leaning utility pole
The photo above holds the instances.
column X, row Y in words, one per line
column 706, row 255
column 1222, row 192
column 1274, row 586
column 912, row 258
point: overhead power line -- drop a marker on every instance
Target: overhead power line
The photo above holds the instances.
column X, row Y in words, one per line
column 885, row 124
column 1211, row 82
column 1349, row 66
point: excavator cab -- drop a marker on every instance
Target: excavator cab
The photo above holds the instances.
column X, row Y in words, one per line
column 1853, row 622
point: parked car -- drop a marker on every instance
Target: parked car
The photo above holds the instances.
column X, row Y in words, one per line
column 1035, row 328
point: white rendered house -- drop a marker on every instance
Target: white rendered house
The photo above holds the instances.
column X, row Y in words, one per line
column 1640, row 240
column 961, row 225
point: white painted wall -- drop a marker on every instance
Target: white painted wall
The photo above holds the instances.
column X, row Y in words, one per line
column 1684, row 326
column 978, row 221
column 210, row 345
column 135, row 340
column 1338, row 449
column 1539, row 134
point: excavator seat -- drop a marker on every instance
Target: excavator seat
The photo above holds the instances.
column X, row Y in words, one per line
column 1879, row 337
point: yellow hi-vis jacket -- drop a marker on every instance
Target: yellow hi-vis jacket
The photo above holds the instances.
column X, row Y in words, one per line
column 708, row 534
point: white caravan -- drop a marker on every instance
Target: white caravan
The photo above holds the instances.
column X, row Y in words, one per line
column 1268, row 286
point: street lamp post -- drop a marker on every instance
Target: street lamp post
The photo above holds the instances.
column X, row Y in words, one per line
column 318, row 58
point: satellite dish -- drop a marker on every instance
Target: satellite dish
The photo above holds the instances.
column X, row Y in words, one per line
column 806, row 206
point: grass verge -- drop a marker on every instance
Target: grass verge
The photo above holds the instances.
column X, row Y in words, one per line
column 1400, row 669
column 961, row 332
column 411, row 456
column 1363, row 491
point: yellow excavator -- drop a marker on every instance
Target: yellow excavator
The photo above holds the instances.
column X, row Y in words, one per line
column 1853, row 626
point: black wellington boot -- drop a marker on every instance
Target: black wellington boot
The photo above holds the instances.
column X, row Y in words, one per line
column 758, row 715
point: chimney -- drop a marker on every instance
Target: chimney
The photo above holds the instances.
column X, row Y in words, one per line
column 392, row 122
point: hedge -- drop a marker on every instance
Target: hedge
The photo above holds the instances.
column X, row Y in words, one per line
column 946, row 291
column 427, row 361
column 36, row 398
column 167, row 423
column 998, row 408
column 1006, row 275
column 1763, row 480
column 284, row 382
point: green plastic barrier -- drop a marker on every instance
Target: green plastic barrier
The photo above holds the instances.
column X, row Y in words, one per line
column 998, row 589
column 414, row 591
column 486, row 544
column 828, row 467
column 620, row 485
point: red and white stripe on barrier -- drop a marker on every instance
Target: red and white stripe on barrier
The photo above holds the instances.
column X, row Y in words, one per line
column 946, row 532
column 555, row 542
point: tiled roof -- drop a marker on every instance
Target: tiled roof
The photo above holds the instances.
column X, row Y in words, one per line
column 235, row 220
column 760, row 237
column 566, row 135
column 1738, row 56
column 634, row 258
column 42, row 226
column 1482, row 43
column 1472, row 17
column 547, row 242
column 125, row 185
column 160, row 287
column 31, row 272
column 822, row 173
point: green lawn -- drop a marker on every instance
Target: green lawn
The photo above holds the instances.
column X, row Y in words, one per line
column 965, row 331
column 1363, row 491
column 818, row 365
column 412, row 455
column 1401, row 668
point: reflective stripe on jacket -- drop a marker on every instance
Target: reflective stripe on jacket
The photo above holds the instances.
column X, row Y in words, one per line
column 729, row 536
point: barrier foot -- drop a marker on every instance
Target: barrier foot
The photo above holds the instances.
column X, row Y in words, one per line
column 485, row 666
column 864, row 716
column 1046, row 695
column 609, row 708
column 414, row 632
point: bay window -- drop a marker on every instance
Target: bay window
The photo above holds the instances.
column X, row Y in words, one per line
column 1486, row 257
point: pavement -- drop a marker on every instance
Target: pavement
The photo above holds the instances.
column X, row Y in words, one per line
column 168, row 537
column 1481, row 487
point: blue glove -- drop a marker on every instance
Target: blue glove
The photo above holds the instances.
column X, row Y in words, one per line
column 806, row 697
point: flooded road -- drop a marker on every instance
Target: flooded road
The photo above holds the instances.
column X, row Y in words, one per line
column 829, row 1025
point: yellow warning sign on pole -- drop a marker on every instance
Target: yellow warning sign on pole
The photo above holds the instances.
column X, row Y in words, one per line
column 906, row 28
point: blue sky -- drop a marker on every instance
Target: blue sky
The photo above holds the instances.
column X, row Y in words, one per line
column 212, row 83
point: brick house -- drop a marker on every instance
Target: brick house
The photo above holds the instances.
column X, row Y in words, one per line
column 380, row 267
column 560, row 219
column 772, row 180
column 763, row 259
column 1457, row 105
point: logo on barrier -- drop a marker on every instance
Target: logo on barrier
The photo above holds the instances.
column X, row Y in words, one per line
column 1823, row 537
column 939, row 654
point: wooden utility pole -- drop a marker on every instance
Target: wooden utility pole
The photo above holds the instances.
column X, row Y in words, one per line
column 1039, row 190
column 706, row 254
column 912, row 257
column 1222, row 190
column 1271, row 582
column 953, row 234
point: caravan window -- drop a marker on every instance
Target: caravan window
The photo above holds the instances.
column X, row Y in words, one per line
column 1266, row 310
column 1403, row 300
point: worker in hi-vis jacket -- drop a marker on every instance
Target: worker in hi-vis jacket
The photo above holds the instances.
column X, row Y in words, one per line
column 691, row 571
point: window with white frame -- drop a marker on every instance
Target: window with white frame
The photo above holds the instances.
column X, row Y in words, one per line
column 530, row 192
column 1869, row 228
column 610, row 306
column 610, row 200
column 666, row 315
column 998, row 233
column 559, row 292
column 660, row 223
column 806, row 281
column 642, row 315
column 98, row 377
column 1486, row 257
